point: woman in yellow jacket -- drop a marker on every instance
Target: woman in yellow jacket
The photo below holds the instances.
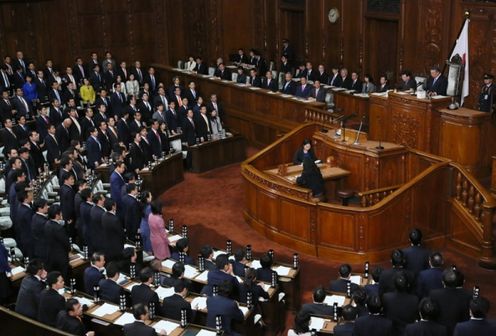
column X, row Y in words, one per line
column 87, row 92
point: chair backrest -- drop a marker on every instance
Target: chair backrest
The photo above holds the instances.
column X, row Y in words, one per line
column 328, row 98
column 247, row 79
column 211, row 71
column 2, row 185
column 274, row 75
column 280, row 80
column 180, row 64
column 234, row 76
column 55, row 181
column 271, row 65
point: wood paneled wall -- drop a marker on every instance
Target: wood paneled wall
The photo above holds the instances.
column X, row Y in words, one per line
column 420, row 35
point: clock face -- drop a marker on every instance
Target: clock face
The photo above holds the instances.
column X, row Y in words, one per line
column 333, row 15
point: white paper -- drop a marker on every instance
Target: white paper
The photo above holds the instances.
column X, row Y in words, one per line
column 168, row 326
column 164, row 292
column 105, row 309
column 122, row 279
column 239, row 279
column 438, row 97
column 255, row 264
column 190, row 272
column 125, row 318
column 203, row 276
column 84, row 301
column 282, row 270
column 17, row 270
column 245, row 310
column 265, row 286
column 205, row 332
column 168, row 263
column 199, row 303
column 330, row 299
column 129, row 245
column 316, row 323
column 218, row 253
column 174, row 238
column 356, row 279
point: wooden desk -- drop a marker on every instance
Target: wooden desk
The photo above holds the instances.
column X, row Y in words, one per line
column 17, row 324
column 164, row 174
column 351, row 103
column 493, row 176
column 217, row 153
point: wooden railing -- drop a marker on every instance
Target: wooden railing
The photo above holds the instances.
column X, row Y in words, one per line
column 371, row 197
column 322, row 117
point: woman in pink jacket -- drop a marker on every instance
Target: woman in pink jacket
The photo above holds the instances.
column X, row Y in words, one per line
column 158, row 235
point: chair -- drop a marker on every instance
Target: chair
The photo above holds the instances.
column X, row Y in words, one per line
column 180, row 64
column 234, row 76
column 211, row 71
column 5, row 223
column 274, row 74
column 271, row 66
column 2, row 185
column 345, row 196
column 247, row 79
column 280, row 80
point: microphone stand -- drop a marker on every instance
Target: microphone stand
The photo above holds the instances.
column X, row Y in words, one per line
column 379, row 146
column 357, row 141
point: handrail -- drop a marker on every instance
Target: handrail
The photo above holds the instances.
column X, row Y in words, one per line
column 371, row 197
column 488, row 198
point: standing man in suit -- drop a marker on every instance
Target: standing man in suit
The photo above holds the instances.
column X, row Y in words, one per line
column 38, row 223
column 62, row 134
column 6, row 106
column 30, row 290
column 93, row 149
column 138, row 327
column 201, row 68
column 87, row 123
column 346, row 327
column 142, row 293
column 112, row 231
column 57, row 241
column 224, row 306
column 477, row 325
column 202, row 125
column 52, row 146
column 79, row 71
column 374, row 324
column 317, row 92
column 172, row 305
column 137, row 157
column 155, row 140
column 94, row 273
column 346, row 81
column 123, row 129
column 118, row 101
column 116, row 184
column 96, row 79
column 151, row 79
column 67, row 194
column 437, row 84
column 431, row 278
column 486, row 96
column 9, row 138
column 21, row 105
column 427, row 325
column 132, row 207
column 110, row 290
column 416, row 256
column 22, row 224
column 51, row 302
column 137, row 72
column 96, row 240
column 189, row 129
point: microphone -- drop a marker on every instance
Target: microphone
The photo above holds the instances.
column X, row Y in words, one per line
column 420, row 84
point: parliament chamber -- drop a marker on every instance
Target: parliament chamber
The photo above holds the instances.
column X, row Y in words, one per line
column 224, row 167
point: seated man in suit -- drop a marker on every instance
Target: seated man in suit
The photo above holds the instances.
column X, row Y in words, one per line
column 177, row 274
column 222, row 305
column 172, row 305
column 431, row 278
column 437, row 84
column 346, row 327
column 30, row 290
column 70, row 319
column 318, row 307
column 400, row 306
column 416, row 256
column 356, row 83
column 269, row 83
column 303, row 90
column 340, row 285
column 407, row 83
column 477, row 325
column 346, row 81
column 255, row 79
column 182, row 246
column 208, row 254
column 318, row 93
column 239, row 263
column 374, row 324
column 142, row 293
column 265, row 273
column 110, row 290
column 138, row 327
column 427, row 325
column 94, row 273
column 241, row 79
column 51, row 302
column 222, row 72
column 289, row 86
column 221, row 274
column 373, row 288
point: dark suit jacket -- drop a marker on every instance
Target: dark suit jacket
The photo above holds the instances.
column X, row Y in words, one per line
column 303, row 92
column 475, row 327
column 58, row 247
column 84, row 220
column 124, row 132
column 217, row 277
column 202, row 127
column 272, row 86
column 226, row 74
column 96, row 81
column 92, row 277
column 63, row 137
column 172, row 120
column 344, row 329
column 5, row 109
column 96, row 242
column 146, row 112
column 201, row 68
column 21, row 108
column 137, row 156
column 28, row 298
column 238, row 269
column 53, row 150
column 453, row 304
column 439, row 86
column 93, row 152
column 401, row 309
column 38, row 231
column 67, row 202
column 317, row 309
column 405, row 86
column 110, row 290
column 22, row 225
column 256, row 81
column 116, row 184
column 357, row 86
column 264, row 274
column 428, row 280
column 138, row 329
column 373, row 325
column 22, row 132
column 113, row 235
column 51, row 303
column 70, row 324
column 386, row 281
column 425, row 328
column 118, row 105
column 347, row 83
column 155, row 143
column 340, row 286
column 137, row 75
column 417, row 259
column 9, row 140
column 319, row 96
column 142, row 293
column 173, row 305
column 133, row 216
column 227, row 308
column 189, row 133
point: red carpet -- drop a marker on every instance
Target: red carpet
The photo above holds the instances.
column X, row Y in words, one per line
column 211, row 204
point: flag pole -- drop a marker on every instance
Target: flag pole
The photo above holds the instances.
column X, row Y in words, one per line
column 467, row 16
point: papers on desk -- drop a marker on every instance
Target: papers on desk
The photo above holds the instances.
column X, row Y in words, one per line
column 84, row 301
column 286, row 95
column 174, row 238
column 316, row 323
column 190, row 272
column 205, row 332
column 363, row 95
column 122, row 279
column 218, row 253
column 256, row 264
column 282, row 270
column 164, row 292
column 380, row 94
column 438, row 97
column 265, row 286
column 168, row 326
column 105, row 309
column 254, row 88
column 168, row 263
column 350, row 91
column 244, row 310
column 125, row 318
column 339, row 89
column 17, row 270
column 199, row 303
column 202, row 277
column 330, row 299
column 356, row 279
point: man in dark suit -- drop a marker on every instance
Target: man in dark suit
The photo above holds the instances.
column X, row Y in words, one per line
column 269, row 83
column 309, row 73
column 22, row 223
column 6, row 106
column 431, row 278
column 285, row 65
column 222, row 274
column 22, row 129
column 265, row 272
column 94, row 273
column 104, row 139
column 356, row 83
column 201, row 68
column 202, row 125
column 374, row 324
column 214, row 104
column 18, row 78
column 42, row 122
column 172, row 305
column 52, row 146
column 477, row 325
column 62, row 134
column 303, row 90
column 101, row 115
column 21, row 105
column 223, row 73
column 67, row 194
column 239, row 263
column 145, row 108
column 96, row 241
column 137, row 157
column 132, row 208
column 182, row 246
column 340, row 285
column 407, row 82
column 255, row 79
column 56, row 115
column 453, row 301
column 189, row 129
column 192, row 94
column 318, row 307
column 93, row 149
column 208, row 256
column 38, row 222
column 109, row 77
column 151, row 79
column 416, row 256
column 346, row 327
column 386, row 281
column 224, row 306
column 155, row 140
column 142, row 293
column 79, row 71
column 30, row 290
column 123, row 129
column 346, row 81
column 57, row 242
column 116, row 184
column 110, row 290
column 41, row 86
column 112, row 231
column 51, row 302
column 75, row 130
column 400, row 306
column 426, row 325
column 87, row 123
column 318, row 92
column 437, row 84
column 70, row 319
column 118, row 101
column 96, row 79
column 138, row 327
column 9, row 138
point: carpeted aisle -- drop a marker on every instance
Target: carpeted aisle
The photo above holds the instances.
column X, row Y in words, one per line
column 211, row 204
